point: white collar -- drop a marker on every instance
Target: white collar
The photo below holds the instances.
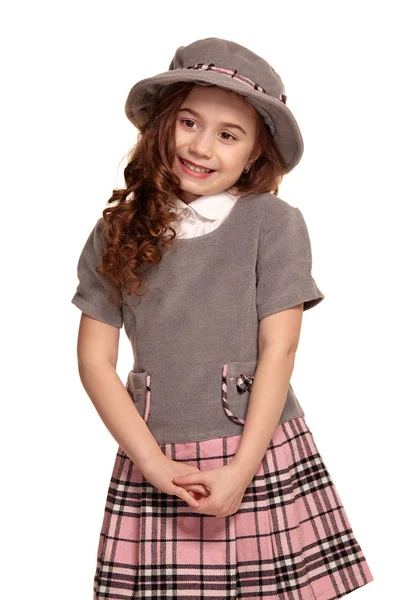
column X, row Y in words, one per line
column 210, row 206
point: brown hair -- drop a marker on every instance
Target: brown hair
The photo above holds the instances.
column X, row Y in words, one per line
column 136, row 222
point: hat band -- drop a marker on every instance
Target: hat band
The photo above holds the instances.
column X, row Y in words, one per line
column 235, row 75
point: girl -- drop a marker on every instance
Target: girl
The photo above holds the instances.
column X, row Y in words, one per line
column 218, row 489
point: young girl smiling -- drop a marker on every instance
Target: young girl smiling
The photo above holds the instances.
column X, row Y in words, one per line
column 218, row 489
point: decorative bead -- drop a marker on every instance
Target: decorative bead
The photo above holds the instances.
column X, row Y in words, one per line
column 244, row 383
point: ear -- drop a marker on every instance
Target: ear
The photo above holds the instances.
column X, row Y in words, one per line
column 256, row 152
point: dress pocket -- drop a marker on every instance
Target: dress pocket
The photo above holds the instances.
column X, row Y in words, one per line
column 139, row 388
column 237, row 381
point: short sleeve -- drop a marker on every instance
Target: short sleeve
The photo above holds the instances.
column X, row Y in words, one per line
column 284, row 266
column 93, row 293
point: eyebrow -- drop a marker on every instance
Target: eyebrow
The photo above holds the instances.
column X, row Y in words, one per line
column 231, row 125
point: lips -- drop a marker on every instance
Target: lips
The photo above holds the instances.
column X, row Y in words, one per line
column 195, row 164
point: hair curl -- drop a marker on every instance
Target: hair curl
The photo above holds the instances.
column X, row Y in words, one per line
column 137, row 221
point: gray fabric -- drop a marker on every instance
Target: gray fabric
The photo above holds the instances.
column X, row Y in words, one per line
column 207, row 296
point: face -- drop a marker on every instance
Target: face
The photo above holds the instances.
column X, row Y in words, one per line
column 215, row 129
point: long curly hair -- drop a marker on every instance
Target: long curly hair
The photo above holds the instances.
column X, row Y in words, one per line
column 136, row 222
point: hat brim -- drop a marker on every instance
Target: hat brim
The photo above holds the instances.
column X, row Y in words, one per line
column 287, row 136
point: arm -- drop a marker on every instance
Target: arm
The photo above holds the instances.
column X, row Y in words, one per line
column 97, row 359
column 97, row 351
column 278, row 340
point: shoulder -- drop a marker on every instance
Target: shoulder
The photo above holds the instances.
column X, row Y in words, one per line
column 98, row 231
column 94, row 244
column 269, row 209
column 99, row 226
column 282, row 228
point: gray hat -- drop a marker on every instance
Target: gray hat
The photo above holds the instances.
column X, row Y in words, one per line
column 213, row 61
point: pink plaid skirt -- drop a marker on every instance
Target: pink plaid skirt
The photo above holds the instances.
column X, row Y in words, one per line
column 289, row 540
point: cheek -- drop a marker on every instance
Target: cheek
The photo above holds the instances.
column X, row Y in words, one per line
column 234, row 162
column 181, row 137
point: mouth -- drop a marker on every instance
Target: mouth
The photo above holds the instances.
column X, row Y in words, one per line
column 195, row 168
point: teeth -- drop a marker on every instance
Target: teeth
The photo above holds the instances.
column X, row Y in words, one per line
column 192, row 168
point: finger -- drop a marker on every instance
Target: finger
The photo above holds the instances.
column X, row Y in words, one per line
column 199, row 488
column 188, row 498
column 194, row 477
column 197, row 495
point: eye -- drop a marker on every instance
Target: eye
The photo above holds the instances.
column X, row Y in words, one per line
column 187, row 121
column 233, row 138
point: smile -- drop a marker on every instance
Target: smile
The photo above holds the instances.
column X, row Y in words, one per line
column 193, row 168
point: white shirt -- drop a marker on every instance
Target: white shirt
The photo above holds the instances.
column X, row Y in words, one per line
column 202, row 215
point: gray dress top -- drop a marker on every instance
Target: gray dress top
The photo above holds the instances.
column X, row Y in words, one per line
column 194, row 335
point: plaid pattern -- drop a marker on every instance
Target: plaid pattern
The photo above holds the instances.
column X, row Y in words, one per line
column 233, row 73
column 230, row 73
column 289, row 540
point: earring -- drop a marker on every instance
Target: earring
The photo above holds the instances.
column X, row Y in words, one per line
column 247, row 170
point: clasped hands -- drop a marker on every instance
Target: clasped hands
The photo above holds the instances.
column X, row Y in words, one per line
column 218, row 492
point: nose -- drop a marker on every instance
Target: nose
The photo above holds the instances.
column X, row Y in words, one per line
column 201, row 144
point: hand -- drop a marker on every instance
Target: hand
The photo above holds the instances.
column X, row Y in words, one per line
column 161, row 472
column 226, row 488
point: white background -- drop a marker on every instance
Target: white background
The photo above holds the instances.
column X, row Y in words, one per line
column 66, row 71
